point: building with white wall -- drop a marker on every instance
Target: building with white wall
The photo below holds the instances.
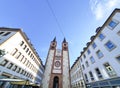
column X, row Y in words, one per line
column 100, row 59
column 21, row 61
column 77, row 80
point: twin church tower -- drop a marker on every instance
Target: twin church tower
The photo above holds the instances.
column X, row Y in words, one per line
column 57, row 67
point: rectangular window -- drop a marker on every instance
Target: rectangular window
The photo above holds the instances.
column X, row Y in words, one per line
column 22, row 57
column 113, row 24
column 18, row 55
column 6, row 33
column 10, row 66
column 98, row 73
column 101, row 36
column 87, row 64
column 22, row 42
column 88, row 51
column 99, row 54
column 29, row 53
column 81, row 59
column 110, row 46
column 14, row 68
column 84, row 56
column 25, row 60
column 83, row 67
column 18, row 70
column 94, row 45
column 14, row 52
column 22, row 71
column 86, row 78
column 118, row 33
column 92, row 59
column 109, row 70
column 27, row 50
column 1, row 33
column 24, row 47
column 4, row 63
column 91, row 75
column 118, row 58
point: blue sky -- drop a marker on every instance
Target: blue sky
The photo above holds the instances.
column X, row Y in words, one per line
column 78, row 20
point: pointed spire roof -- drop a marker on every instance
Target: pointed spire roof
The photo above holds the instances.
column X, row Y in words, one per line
column 64, row 41
column 54, row 40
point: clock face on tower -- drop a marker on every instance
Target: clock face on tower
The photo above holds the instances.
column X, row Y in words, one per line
column 57, row 63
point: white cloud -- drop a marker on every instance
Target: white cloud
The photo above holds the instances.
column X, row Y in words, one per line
column 103, row 8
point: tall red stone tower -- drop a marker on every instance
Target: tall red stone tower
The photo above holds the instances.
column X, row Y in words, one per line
column 57, row 74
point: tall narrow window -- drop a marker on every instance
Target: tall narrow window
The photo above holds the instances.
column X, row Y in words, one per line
column 118, row 58
column 29, row 53
column 83, row 67
column 81, row 59
column 118, row 32
column 22, row 42
column 14, row 68
column 25, row 47
column 91, row 75
column 25, row 60
column 98, row 73
column 86, row 78
column 92, row 59
column 84, row 56
column 110, row 46
column 22, row 57
column 109, row 70
column 4, row 63
column 88, row 51
column 27, row 50
column 87, row 65
column 18, row 55
column 14, row 52
column 99, row 54
column 10, row 66
column 101, row 36
column 1, row 33
column 6, row 33
column 18, row 70
column 94, row 45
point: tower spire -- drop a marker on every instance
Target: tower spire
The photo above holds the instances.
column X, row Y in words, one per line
column 64, row 41
column 54, row 40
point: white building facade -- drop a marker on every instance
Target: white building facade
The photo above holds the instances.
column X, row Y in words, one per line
column 20, row 60
column 100, row 59
column 77, row 80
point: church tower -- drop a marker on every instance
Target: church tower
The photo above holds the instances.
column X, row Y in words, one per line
column 57, row 67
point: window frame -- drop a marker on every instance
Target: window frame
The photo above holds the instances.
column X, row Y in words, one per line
column 100, row 76
column 88, row 51
column 86, row 63
column 10, row 65
column 118, row 33
column 101, row 38
column 99, row 53
column 91, row 76
column 109, row 72
column 94, row 45
column 92, row 59
column 5, row 62
column 110, row 49
column 113, row 25
column 118, row 59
